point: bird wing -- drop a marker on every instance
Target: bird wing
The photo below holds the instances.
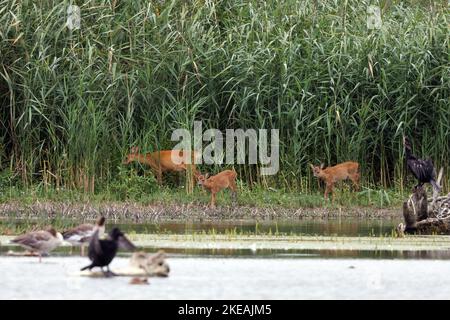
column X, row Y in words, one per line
column 33, row 239
column 81, row 230
column 86, row 238
column 422, row 169
column 95, row 247
column 432, row 168
column 126, row 244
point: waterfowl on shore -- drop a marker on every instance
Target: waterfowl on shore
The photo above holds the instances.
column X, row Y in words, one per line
column 423, row 170
column 102, row 252
column 82, row 234
column 42, row 241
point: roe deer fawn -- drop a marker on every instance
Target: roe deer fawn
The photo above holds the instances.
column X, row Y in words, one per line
column 331, row 175
column 222, row 180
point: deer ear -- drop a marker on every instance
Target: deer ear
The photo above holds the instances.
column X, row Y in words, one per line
column 311, row 165
column 134, row 149
column 322, row 165
column 206, row 175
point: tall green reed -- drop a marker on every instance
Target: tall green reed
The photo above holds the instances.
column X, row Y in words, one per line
column 74, row 101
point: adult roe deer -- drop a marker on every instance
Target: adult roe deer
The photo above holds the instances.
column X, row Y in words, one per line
column 222, row 180
column 161, row 161
column 331, row 175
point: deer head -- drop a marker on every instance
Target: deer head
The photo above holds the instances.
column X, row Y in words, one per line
column 201, row 179
column 134, row 151
column 317, row 170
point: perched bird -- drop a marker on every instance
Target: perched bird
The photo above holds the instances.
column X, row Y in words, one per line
column 82, row 234
column 42, row 241
column 102, row 252
column 423, row 170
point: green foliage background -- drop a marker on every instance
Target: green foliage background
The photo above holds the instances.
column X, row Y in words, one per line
column 73, row 102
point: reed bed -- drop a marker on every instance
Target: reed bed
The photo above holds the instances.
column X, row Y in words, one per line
column 73, row 102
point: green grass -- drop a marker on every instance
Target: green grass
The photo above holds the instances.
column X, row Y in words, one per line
column 72, row 103
column 256, row 197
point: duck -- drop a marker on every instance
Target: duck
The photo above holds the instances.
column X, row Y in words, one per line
column 41, row 241
column 423, row 170
column 82, row 234
column 102, row 252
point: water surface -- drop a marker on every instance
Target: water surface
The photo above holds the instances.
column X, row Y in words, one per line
column 289, row 259
column 325, row 227
column 231, row 278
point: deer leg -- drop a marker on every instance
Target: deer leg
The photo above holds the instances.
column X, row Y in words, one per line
column 355, row 180
column 194, row 175
column 233, row 197
column 326, row 192
column 213, row 200
column 233, row 192
column 159, row 177
column 329, row 189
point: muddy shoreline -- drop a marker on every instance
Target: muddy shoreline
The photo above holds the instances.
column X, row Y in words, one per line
column 136, row 212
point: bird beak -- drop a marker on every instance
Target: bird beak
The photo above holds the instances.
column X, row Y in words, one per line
column 126, row 244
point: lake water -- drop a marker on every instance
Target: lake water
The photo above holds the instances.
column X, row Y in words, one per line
column 324, row 227
column 208, row 271
column 233, row 278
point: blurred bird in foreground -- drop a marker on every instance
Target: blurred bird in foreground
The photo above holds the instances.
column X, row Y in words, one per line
column 102, row 252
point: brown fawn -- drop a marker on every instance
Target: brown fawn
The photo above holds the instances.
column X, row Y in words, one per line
column 161, row 161
column 222, row 180
column 331, row 175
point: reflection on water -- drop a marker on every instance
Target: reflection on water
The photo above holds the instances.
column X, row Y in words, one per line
column 325, row 227
column 270, row 253
column 318, row 227
column 312, row 254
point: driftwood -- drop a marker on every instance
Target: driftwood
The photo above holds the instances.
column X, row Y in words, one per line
column 423, row 216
